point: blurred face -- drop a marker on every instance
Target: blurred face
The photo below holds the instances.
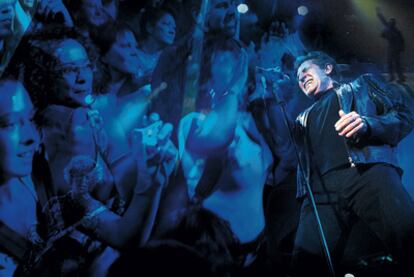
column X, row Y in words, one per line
column 98, row 12
column 313, row 79
column 6, row 18
column 74, row 74
column 221, row 17
column 164, row 29
column 123, row 54
column 18, row 135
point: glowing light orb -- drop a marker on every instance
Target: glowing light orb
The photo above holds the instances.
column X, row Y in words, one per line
column 242, row 8
column 303, row 10
column 89, row 99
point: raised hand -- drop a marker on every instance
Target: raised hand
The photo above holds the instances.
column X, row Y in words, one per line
column 151, row 145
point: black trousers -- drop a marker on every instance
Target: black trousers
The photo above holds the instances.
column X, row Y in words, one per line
column 373, row 194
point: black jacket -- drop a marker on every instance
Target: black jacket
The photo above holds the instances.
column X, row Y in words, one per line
column 387, row 117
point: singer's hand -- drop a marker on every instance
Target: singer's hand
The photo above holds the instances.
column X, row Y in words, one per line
column 350, row 124
column 50, row 9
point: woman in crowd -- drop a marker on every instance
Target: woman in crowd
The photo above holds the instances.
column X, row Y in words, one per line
column 122, row 199
column 18, row 197
column 157, row 31
column 25, row 186
column 120, row 66
column 128, row 67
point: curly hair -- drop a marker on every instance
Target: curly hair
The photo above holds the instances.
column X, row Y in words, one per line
column 39, row 62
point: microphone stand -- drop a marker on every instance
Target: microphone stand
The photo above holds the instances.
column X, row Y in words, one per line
column 311, row 197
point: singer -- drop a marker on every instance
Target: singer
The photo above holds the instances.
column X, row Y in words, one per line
column 347, row 141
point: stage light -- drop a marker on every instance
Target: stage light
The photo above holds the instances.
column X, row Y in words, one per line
column 349, row 275
column 242, row 8
column 303, row 10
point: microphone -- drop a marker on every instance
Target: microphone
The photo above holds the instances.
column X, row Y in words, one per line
column 275, row 78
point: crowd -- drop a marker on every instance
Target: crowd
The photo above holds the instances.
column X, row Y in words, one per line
column 146, row 138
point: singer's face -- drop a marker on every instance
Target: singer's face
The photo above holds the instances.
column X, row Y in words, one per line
column 313, row 79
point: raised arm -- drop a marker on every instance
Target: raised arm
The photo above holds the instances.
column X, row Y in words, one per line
column 382, row 17
column 119, row 231
column 137, row 222
column 215, row 131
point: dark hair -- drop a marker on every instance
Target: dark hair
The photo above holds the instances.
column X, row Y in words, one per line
column 105, row 36
column 319, row 58
column 211, row 48
column 151, row 16
column 36, row 54
column 158, row 257
column 215, row 46
column 209, row 235
column 72, row 5
column 75, row 9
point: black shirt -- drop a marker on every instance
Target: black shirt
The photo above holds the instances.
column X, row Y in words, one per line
column 327, row 148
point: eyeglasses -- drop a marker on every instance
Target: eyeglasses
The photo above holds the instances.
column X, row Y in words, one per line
column 73, row 69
